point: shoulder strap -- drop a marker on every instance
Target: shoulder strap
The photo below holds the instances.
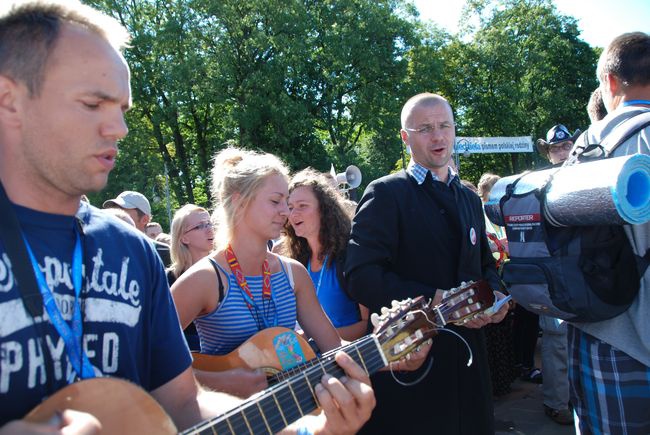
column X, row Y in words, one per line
column 20, row 263
column 286, row 267
column 626, row 130
column 216, row 269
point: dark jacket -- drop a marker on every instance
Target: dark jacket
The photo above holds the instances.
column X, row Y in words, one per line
column 409, row 240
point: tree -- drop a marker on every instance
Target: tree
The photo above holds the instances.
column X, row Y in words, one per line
column 524, row 70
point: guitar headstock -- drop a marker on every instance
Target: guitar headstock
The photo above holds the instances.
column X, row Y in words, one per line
column 460, row 304
column 409, row 323
column 403, row 327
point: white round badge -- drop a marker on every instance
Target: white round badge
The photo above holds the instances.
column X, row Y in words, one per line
column 472, row 235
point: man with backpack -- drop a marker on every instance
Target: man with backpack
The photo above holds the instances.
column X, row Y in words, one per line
column 609, row 360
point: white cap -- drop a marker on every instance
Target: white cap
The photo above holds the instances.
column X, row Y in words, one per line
column 129, row 199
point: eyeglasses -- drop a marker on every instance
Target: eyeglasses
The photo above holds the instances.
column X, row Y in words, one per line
column 565, row 146
column 201, row 226
column 430, row 128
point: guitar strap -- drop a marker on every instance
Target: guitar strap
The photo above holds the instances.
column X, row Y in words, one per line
column 21, row 265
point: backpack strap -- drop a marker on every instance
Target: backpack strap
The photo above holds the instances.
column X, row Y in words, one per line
column 20, row 262
column 621, row 134
column 642, row 262
column 616, row 137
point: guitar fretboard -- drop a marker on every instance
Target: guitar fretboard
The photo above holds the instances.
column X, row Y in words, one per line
column 277, row 407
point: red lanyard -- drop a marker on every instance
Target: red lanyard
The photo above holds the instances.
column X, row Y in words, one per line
column 235, row 267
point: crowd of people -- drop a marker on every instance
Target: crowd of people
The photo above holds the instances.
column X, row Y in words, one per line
column 89, row 292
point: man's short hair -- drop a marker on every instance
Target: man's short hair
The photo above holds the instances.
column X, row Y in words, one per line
column 596, row 107
column 29, row 30
column 628, row 58
column 419, row 99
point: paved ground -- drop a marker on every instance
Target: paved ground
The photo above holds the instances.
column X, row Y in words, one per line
column 521, row 412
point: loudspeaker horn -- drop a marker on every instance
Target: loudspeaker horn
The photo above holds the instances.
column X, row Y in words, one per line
column 351, row 176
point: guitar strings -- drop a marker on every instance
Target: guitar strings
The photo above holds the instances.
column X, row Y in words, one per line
column 300, row 387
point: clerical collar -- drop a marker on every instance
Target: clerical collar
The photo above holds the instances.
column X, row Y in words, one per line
column 419, row 172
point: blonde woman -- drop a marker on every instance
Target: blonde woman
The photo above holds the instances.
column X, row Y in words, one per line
column 226, row 294
column 192, row 238
column 250, row 191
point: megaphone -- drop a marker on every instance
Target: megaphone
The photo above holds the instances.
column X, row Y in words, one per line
column 351, row 176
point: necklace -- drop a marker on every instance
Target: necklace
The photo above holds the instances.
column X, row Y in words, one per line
column 267, row 296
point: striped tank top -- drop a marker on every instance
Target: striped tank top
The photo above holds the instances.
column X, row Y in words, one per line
column 232, row 323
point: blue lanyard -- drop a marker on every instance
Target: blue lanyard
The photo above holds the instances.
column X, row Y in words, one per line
column 320, row 275
column 253, row 306
column 71, row 336
column 634, row 102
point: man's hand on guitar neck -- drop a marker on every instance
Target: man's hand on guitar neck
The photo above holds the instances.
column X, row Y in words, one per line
column 69, row 422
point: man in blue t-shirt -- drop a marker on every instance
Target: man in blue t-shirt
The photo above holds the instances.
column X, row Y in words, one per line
column 104, row 306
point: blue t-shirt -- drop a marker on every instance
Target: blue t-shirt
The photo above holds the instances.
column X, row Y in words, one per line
column 130, row 325
column 338, row 306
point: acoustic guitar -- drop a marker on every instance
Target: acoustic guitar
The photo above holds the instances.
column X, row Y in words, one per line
column 282, row 353
column 124, row 408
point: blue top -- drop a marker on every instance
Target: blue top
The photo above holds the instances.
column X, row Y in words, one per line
column 232, row 323
column 338, row 306
column 130, row 326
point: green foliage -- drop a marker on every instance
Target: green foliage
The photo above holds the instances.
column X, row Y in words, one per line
column 322, row 82
column 524, row 70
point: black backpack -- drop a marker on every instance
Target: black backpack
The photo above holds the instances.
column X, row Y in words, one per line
column 581, row 274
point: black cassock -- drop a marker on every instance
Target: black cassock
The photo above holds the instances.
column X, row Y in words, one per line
column 409, row 240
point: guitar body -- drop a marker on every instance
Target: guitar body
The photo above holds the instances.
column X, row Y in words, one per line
column 273, row 350
column 120, row 406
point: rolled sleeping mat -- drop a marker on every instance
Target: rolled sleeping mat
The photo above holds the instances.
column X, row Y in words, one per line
column 610, row 191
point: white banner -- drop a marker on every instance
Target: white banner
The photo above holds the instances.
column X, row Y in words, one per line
column 475, row 145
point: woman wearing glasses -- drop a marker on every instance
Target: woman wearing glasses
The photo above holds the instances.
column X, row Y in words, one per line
column 192, row 238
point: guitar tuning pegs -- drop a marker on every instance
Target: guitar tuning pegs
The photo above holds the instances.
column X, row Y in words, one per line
column 384, row 311
column 394, row 304
column 374, row 319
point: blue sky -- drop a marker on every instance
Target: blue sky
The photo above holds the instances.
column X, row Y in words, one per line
column 599, row 20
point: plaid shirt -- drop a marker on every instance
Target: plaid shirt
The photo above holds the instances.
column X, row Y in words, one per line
column 419, row 172
column 610, row 390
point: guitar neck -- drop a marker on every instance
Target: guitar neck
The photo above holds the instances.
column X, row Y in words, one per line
column 277, row 407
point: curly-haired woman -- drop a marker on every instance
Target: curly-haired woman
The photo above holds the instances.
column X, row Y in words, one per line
column 317, row 234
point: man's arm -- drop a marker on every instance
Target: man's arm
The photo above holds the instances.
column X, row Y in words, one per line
column 188, row 404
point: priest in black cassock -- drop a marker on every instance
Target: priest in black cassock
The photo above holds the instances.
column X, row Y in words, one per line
column 418, row 232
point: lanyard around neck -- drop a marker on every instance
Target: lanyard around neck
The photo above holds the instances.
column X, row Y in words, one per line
column 72, row 337
column 636, row 102
column 320, row 275
column 236, row 269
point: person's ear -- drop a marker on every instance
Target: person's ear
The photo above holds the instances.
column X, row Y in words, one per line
column 404, row 135
column 10, row 101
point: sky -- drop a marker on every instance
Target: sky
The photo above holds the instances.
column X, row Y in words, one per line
column 599, row 20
